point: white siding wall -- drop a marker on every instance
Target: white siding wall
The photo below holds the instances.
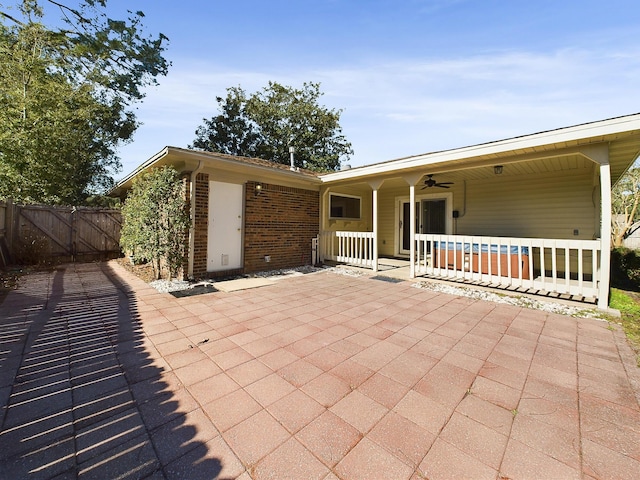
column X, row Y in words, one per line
column 387, row 220
column 541, row 206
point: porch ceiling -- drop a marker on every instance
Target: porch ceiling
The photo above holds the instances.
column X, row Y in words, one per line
column 558, row 164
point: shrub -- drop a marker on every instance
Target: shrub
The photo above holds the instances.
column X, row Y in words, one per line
column 625, row 268
column 33, row 249
column 155, row 220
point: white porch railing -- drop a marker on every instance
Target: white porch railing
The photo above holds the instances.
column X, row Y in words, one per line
column 354, row 248
column 554, row 266
column 558, row 266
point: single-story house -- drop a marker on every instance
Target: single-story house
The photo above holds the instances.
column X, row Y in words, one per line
column 530, row 213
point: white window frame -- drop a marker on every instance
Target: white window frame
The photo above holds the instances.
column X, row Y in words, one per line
column 344, row 195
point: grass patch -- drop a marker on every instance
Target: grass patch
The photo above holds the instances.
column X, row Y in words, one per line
column 629, row 305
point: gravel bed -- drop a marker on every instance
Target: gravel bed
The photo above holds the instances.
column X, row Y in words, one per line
column 480, row 294
column 519, row 301
column 166, row 286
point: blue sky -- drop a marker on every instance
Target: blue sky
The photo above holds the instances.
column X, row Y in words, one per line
column 411, row 76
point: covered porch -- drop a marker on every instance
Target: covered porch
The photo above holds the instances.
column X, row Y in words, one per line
column 531, row 214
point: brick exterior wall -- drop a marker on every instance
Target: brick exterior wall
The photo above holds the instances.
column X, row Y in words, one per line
column 279, row 222
column 201, row 225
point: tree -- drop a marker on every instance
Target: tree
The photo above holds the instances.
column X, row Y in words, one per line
column 155, row 220
column 625, row 201
column 231, row 132
column 65, row 94
column 266, row 123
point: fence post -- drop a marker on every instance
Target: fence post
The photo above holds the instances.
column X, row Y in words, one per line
column 73, row 236
column 12, row 225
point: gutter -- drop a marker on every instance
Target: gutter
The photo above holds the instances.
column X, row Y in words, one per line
column 192, row 213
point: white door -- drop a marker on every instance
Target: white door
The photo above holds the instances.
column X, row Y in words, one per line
column 224, row 244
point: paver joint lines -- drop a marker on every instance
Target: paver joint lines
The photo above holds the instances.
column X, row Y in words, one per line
column 314, row 376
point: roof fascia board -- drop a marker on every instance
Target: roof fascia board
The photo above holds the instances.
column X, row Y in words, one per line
column 268, row 171
column 192, row 158
column 553, row 137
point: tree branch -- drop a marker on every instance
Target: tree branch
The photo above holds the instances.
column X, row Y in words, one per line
column 9, row 17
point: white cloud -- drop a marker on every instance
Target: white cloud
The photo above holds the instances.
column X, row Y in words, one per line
column 411, row 106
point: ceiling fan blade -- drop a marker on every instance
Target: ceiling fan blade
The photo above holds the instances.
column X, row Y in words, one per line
column 443, row 186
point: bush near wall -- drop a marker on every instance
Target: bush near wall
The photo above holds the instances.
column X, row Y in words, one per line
column 625, row 269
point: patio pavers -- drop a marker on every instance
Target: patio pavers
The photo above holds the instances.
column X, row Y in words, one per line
column 317, row 376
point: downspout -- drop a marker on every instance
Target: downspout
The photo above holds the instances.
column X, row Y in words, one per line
column 192, row 228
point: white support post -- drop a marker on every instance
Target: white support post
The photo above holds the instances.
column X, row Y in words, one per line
column 412, row 179
column 605, row 236
column 375, row 186
column 375, row 229
column 412, row 230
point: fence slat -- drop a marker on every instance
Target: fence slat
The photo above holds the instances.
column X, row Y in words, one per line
column 63, row 232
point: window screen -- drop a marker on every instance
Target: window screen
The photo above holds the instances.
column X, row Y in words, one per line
column 345, row 207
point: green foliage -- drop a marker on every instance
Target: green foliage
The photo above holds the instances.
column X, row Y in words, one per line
column 266, row 123
column 625, row 268
column 102, row 201
column 231, row 132
column 625, row 197
column 64, row 98
column 155, row 220
column 33, row 248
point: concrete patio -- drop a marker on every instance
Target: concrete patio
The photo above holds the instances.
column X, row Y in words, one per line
column 318, row 376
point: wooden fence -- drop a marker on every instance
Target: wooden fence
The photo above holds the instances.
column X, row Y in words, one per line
column 42, row 233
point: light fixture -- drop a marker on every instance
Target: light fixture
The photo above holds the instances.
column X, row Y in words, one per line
column 497, row 169
column 258, row 189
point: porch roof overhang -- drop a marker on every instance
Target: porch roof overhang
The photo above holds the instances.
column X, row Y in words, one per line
column 614, row 141
column 185, row 160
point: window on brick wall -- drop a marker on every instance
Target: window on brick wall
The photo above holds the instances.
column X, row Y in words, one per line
column 344, row 206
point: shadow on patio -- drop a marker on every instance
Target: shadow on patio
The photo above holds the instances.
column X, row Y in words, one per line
column 81, row 395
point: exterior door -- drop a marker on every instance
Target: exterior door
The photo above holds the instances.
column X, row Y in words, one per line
column 405, row 232
column 431, row 217
column 224, row 243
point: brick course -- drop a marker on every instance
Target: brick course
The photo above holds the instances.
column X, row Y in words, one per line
column 280, row 222
column 201, row 225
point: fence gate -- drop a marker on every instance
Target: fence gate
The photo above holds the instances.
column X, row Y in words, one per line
column 36, row 233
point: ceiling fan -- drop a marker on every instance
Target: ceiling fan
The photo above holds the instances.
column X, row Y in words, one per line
column 430, row 182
